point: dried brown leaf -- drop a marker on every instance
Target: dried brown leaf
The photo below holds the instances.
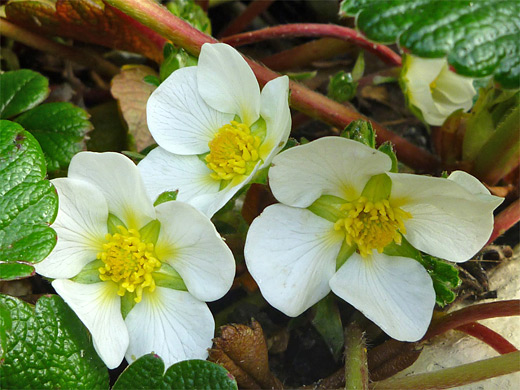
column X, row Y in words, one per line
column 132, row 93
column 242, row 350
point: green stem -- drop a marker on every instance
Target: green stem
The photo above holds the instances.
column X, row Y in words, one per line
column 314, row 104
column 501, row 153
column 356, row 370
column 39, row 42
column 456, row 376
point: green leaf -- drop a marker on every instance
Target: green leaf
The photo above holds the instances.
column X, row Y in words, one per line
column 361, row 131
column 60, row 128
column 21, row 90
column 167, row 196
column 480, row 38
column 15, row 270
column 192, row 13
column 28, row 203
column 147, row 373
column 175, row 59
column 327, row 322
column 445, row 278
column 342, row 87
column 48, row 348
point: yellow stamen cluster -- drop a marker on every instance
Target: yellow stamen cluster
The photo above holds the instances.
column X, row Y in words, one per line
column 371, row 225
column 233, row 151
column 129, row 262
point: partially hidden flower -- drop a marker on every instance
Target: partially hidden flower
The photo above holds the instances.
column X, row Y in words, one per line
column 433, row 90
column 346, row 223
column 215, row 129
column 137, row 276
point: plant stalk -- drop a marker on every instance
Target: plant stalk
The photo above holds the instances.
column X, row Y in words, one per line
column 456, row 376
column 315, row 30
column 505, row 220
column 356, row 370
column 488, row 336
column 255, row 8
column 471, row 314
column 39, row 42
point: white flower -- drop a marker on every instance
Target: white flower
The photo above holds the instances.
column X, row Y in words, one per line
column 432, row 88
column 341, row 212
column 136, row 275
column 214, row 128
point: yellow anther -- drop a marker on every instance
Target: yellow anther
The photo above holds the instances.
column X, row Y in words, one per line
column 371, row 225
column 233, row 151
column 129, row 262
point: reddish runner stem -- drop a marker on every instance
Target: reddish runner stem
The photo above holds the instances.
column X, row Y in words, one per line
column 159, row 19
column 488, row 336
column 505, row 220
column 315, row 30
column 471, row 314
column 255, row 8
column 302, row 55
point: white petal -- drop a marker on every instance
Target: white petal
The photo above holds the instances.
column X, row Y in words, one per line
column 291, row 253
column 210, row 203
column 120, row 182
column 164, row 171
column 172, row 324
column 189, row 242
column 275, row 111
column 99, row 308
column 227, row 83
column 422, row 70
column 179, row 119
column 394, row 292
column 457, row 89
column 447, row 220
column 328, row 166
column 81, row 225
column 474, row 186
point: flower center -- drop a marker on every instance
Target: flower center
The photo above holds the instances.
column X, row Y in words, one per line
column 371, row 225
column 128, row 262
column 233, row 151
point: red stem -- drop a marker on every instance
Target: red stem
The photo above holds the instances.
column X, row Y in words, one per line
column 471, row 314
column 181, row 33
column 315, row 30
column 505, row 220
column 255, row 8
column 488, row 336
column 302, row 55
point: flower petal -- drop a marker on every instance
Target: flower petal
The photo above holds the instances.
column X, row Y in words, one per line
column 394, row 292
column 81, row 225
column 227, row 83
column 457, row 89
column 179, row 119
column 422, row 70
column 120, row 182
column 275, row 111
column 447, row 220
column 189, row 242
column 172, row 324
column 291, row 253
column 210, row 203
column 164, row 171
column 99, row 307
column 328, row 166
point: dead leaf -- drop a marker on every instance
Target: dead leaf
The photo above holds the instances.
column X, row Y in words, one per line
column 89, row 21
column 132, row 93
column 242, row 350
